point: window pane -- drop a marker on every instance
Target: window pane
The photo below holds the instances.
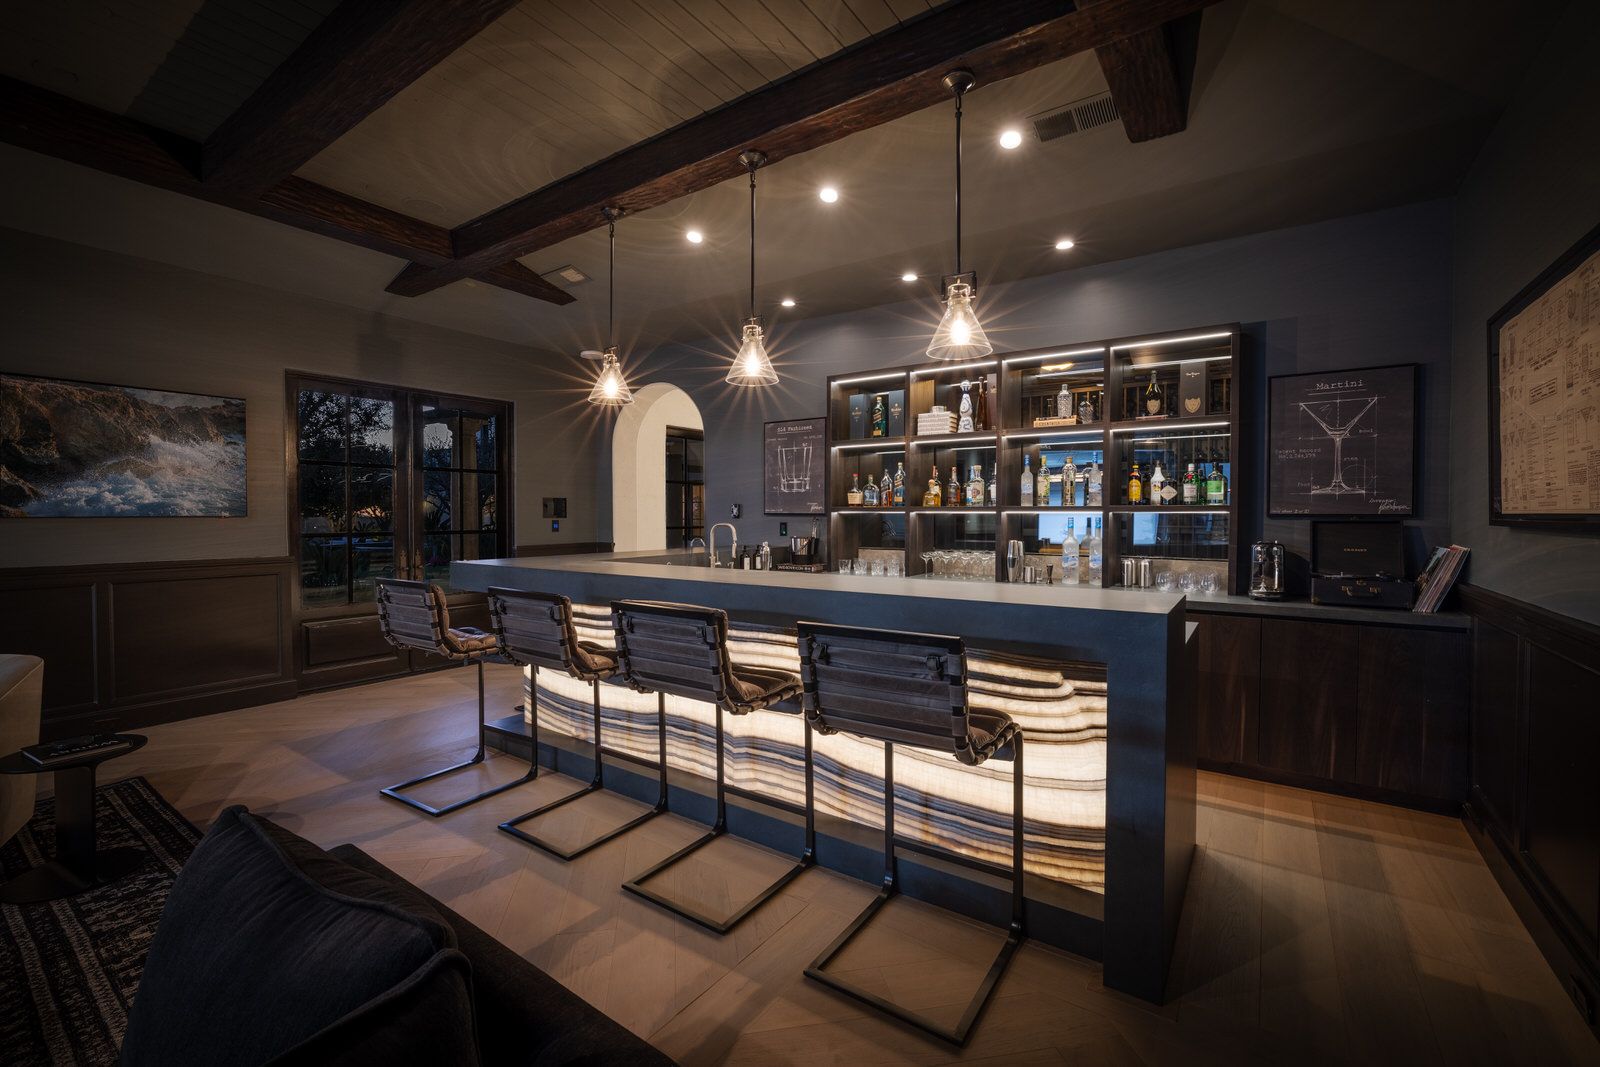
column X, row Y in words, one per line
column 371, row 500
column 438, row 437
column 697, row 505
column 322, row 505
column 675, row 496
column 674, row 459
column 488, row 505
column 322, row 571
column 489, row 545
column 436, row 553
column 482, row 430
column 437, row 500
column 321, row 422
column 694, row 460
column 371, row 431
column 371, row 558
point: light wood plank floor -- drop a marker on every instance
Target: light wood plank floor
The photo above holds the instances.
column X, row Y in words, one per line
column 1316, row 929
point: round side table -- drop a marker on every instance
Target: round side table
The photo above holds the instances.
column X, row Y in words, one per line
column 78, row 866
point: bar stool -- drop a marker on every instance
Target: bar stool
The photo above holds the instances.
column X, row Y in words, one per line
column 683, row 650
column 536, row 630
column 413, row 616
column 909, row 689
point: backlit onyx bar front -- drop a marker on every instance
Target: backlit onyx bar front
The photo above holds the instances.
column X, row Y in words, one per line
column 1094, row 677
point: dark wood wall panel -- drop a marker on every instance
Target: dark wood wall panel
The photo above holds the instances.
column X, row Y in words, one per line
column 337, row 641
column 1496, row 694
column 1561, row 826
column 130, row 645
column 1308, row 698
column 1229, row 681
column 1411, row 711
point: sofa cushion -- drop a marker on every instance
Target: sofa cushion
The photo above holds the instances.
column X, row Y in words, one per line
column 270, row 950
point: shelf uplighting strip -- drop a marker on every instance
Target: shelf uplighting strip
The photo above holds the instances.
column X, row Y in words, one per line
column 1042, row 356
column 1030, row 435
column 1174, row 341
column 1173, row 429
column 884, row 445
column 886, row 376
column 953, row 369
column 935, row 442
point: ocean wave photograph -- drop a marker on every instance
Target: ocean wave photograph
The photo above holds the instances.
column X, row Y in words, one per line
column 77, row 449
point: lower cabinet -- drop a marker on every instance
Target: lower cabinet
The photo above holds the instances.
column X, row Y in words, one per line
column 1368, row 708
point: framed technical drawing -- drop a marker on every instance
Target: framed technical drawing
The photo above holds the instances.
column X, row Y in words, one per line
column 1343, row 442
column 792, row 467
column 1544, row 397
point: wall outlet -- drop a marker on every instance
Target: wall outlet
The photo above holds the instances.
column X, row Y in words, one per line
column 783, row 529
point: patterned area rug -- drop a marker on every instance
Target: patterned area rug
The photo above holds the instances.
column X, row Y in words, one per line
column 69, row 968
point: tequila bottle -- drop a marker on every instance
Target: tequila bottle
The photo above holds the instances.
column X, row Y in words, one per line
column 853, row 497
column 964, row 423
column 934, row 496
column 975, row 487
column 1027, row 480
column 1069, row 554
column 952, row 491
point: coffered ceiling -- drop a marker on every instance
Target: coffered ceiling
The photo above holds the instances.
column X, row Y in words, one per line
column 1298, row 110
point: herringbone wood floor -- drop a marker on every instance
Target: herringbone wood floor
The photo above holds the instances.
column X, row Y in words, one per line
column 1316, row 929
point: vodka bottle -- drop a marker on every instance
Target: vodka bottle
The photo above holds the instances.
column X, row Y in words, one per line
column 1094, row 486
column 1069, row 555
column 1096, row 554
column 1027, row 481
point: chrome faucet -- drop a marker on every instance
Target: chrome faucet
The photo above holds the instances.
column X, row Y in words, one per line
column 692, row 540
column 712, row 549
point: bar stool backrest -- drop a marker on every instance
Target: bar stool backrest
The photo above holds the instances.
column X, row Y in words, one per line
column 413, row 615
column 536, row 630
column 907, row 688
column 676, row 648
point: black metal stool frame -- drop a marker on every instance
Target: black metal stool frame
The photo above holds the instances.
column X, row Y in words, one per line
column 636, row 884
column 413, row 616
column 958, row 1034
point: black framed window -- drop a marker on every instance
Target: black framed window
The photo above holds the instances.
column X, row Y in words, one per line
column 460, row 506
column 686, row 486
column 347, row 511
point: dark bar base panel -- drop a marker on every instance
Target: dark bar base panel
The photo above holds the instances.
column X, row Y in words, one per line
column 1061, row 916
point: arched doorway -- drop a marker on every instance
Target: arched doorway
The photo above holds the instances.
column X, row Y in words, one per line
column 639, row 464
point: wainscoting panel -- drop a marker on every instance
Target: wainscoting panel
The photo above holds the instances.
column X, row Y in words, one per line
column 131, row 645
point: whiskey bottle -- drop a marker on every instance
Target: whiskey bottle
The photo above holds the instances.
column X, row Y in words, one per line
column 952, row 491
column 886, row 490
column 880, row 415
column 1041, row 487
column 934, row 496
column 853, row 497
column 1191, row 486
column 869, row 496
column 1027, row 480
column 994, row 490
column 900, row 486
column 1154, row 397
column 1135, row 485
column 1158, row 485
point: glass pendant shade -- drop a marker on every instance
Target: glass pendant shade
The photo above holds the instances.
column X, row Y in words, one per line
column 610, row 388
column 752, row 366
column 959, row 335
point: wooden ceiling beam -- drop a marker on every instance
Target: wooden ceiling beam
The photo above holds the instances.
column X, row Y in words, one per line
column 54, row 125
column 1143, row 77
column 349, row 66
column 883, row 78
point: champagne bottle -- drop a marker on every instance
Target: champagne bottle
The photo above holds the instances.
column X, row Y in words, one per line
column 1154, row 398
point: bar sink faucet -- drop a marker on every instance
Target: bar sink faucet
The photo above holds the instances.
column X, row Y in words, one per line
column 733, row 549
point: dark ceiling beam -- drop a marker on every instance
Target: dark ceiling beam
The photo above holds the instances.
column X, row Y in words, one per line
column 349, row 66
column 1143, row 77
column 57, row 126
column 883, row 78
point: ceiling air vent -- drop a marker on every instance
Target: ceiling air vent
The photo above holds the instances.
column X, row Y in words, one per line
column 569, row 274
column 1080, row 115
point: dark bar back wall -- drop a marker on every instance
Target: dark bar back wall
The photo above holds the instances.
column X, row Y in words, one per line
column 1352, row 292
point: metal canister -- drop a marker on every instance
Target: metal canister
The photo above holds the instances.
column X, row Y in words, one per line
column 1130, row 572
column 1147, row 573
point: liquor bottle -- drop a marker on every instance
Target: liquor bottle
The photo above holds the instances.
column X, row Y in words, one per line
column 1191, row 486
column 1096, row 554
column 933, row 497
column 1041, row 486
column 1069, row 483
column 994, row 489
column 869, row 496
column 1158, row 483
column 1094, row 486
column 880, row 415
column 1027, row 481
column 975, row 487
column 1216, row 485
column 1086, row 410
column 964, row 423
column 952, row 491
column 1154, row 398
column 853, row 497
column 885, row 490
column 1135, row 485
column 1064, row 402
column 900, row 486
column 1069, row 555
column 980, row 418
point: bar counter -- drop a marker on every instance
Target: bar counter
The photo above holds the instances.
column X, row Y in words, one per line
column 1097, row 680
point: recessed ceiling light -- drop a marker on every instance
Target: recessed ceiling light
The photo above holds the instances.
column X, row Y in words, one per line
column 908, row 276
column 828, row 193
column 1011, row 139
column 788, row 301
column 1063, row 244
column 695, row 237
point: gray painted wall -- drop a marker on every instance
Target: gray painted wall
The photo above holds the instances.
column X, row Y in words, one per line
column 1533, row 192
column 74, row 312
column 1354, row 292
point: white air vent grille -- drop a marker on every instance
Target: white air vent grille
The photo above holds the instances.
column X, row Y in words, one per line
column 569, row 274
column 1080, row 115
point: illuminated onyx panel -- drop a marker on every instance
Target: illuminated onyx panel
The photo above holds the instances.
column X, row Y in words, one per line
column 1061, row 709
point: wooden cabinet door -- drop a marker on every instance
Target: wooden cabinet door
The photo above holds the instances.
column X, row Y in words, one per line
column 1412, row 712
column 1496, row 683
column 1309, row 687
column 1228, row 687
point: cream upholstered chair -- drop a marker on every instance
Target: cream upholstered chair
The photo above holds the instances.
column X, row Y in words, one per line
column 21, row 697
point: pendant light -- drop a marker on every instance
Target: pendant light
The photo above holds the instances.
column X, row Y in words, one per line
column 959, row 334
column 752, row 366
column 610, row 387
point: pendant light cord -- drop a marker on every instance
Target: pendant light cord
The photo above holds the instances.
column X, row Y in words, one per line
column 752, row 240
column 959, row 94
column 611, row 289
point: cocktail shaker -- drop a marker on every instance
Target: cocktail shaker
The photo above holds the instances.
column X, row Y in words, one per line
column 1013, row 561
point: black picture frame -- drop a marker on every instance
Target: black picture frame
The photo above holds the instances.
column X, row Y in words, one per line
column 794, row 482
column 1569, row 261
column 1399, row 466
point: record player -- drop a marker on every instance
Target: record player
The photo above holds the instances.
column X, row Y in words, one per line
column 1360, row 564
